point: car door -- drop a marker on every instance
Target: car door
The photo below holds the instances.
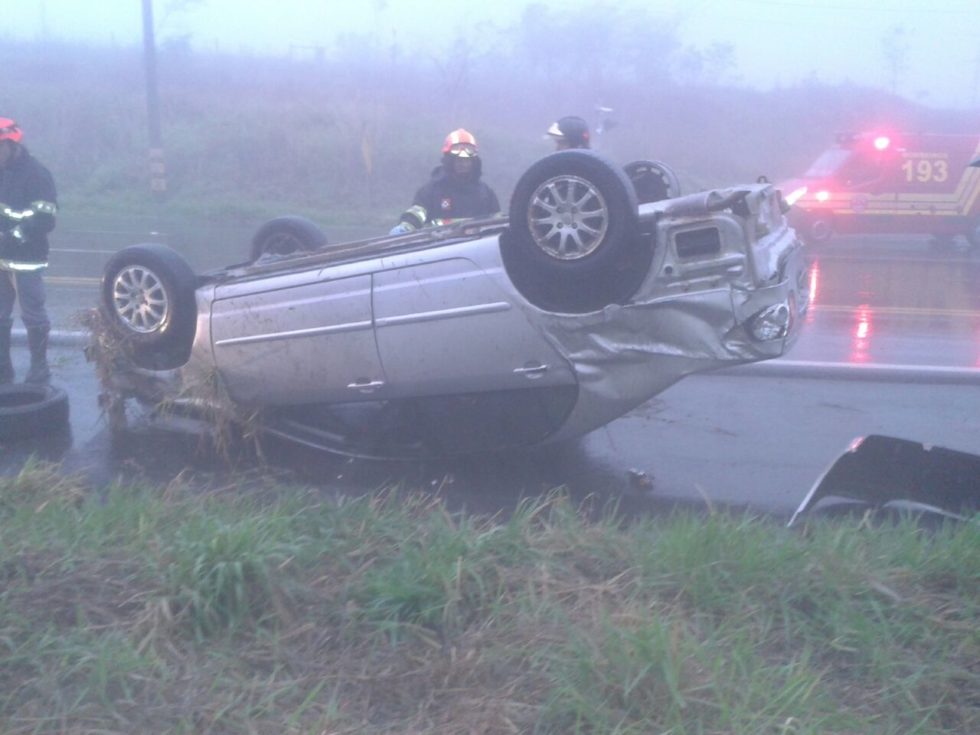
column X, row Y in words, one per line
column 447, row 328
column 297, row 338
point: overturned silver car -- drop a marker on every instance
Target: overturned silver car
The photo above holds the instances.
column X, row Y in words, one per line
column 473, row 336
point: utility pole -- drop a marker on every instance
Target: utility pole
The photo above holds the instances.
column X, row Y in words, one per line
column 158, row 170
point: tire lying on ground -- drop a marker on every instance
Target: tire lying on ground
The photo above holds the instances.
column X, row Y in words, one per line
column 573, row 243
column 286, row 235
column 148, row 300
column 652, row 181
column 31, row 410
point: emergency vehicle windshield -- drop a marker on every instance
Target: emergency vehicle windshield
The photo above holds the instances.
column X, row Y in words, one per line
column 829, row 163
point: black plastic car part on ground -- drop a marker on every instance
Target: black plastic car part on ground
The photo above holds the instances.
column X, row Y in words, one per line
column 286, row 235
column 31, row 410
column 880, row 469
column 148, row 298
column 574, row 243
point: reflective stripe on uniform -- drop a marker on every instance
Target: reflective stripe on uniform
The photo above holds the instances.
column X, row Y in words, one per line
column 15, row 214
column 17, row 266
column 38, row 207
column 43, row 207
column 415, row 215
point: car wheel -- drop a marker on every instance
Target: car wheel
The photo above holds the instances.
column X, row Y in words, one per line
column 819, row 229
column 973, row 235
column 28, row 410
column 287, row 235
column 573, row 242
column 652, row 181
column 148, row 298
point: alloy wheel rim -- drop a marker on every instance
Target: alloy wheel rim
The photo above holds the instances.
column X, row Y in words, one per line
column 568, row 217
column 140, row 299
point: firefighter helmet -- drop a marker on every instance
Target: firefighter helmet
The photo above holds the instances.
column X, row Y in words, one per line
column 571, row 131
column 460, row 143
column 9, row 130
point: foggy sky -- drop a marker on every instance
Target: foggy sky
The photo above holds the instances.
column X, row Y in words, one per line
column 935, row 59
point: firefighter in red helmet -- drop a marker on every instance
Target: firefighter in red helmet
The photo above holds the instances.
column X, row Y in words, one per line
column 28, row 206
column 455, row 189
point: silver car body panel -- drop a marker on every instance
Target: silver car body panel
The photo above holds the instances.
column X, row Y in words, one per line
column 296, row 338
column 444, row 326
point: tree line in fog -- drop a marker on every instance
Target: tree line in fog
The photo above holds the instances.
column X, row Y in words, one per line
column 354, row 127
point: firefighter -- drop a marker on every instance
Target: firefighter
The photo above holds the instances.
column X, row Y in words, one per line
column 28, row 205
column 454, row 190
column 569, row 132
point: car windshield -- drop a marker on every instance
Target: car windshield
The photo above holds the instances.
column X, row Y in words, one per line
column 828, row 164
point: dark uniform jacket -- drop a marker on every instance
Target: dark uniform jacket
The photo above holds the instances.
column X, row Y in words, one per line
column 447, row 197
column 28, row 205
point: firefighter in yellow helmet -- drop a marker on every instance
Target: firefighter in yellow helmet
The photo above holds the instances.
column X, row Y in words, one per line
column 28, row 205
column 454, row 191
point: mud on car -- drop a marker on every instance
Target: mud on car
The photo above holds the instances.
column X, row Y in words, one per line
column 483, row 334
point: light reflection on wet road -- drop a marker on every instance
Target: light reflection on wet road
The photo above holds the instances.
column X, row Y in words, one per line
column 905, row 306
column 721, row 438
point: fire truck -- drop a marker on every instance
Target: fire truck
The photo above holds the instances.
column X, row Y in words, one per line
column 890, row 183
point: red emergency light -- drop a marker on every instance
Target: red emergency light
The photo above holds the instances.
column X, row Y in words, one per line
column 882, row 142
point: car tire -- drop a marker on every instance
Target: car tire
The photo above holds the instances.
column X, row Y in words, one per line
column 287, row 235
column 28, row 410
column 653, row 181
column 818, row 230
column 148, row 299
column 562, row 258
column 973, row 234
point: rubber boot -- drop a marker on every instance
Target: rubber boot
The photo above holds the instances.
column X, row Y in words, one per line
column 6, row 366
column 37, row 340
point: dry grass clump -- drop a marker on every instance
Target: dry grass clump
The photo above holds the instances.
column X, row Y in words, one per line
column 193, row 395
column 38, row 485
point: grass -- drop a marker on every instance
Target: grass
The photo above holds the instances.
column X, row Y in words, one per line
column 276, row 609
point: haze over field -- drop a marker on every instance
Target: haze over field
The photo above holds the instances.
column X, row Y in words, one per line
column 927, row 52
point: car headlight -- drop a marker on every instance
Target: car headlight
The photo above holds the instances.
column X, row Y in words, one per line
column 773, row 322
column 795, row 195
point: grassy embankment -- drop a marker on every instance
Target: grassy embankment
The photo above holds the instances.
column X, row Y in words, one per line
column 278, row 610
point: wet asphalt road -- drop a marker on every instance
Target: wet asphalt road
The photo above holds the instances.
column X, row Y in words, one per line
column 892, row 346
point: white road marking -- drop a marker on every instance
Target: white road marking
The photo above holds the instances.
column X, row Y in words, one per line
column 865, row 370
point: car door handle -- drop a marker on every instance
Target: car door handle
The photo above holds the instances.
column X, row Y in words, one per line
column 532, row 371
column 365, row 385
